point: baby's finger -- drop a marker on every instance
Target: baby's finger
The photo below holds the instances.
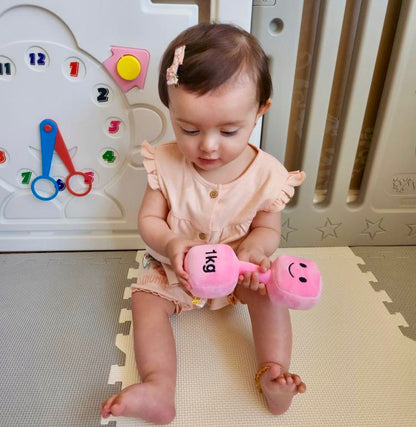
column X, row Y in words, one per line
column 185, row 285
column 244, row 280
column 254, row 287
column 178, row 266
column 262, row 289
column 265, row 264
column 254, row 282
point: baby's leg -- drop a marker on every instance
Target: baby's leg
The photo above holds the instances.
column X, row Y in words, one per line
column 272, row 334
column 153, row 399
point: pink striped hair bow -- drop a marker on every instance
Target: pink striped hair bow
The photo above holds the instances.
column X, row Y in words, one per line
column 172, row 71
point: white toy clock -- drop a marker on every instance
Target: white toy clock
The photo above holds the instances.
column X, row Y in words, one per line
column 72, row 119
column 68, row 91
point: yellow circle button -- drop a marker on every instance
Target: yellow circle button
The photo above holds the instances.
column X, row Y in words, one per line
column 128, row 67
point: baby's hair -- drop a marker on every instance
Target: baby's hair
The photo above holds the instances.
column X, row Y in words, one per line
column 214, row 53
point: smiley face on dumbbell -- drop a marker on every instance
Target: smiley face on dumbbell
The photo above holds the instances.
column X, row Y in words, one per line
column 293, row 266
column 298, row 273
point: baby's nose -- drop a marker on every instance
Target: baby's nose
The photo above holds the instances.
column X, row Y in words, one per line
column 208, row 143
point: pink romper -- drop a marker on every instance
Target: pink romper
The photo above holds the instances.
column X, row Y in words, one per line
column 208, row 212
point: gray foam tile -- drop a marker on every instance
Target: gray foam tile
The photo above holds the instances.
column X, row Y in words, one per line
column 394, row 267
column 59, row 315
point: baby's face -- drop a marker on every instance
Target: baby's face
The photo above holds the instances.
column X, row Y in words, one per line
column 213, row 130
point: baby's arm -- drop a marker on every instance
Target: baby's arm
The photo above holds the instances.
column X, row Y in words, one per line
column 155, row 231
column 262, row 240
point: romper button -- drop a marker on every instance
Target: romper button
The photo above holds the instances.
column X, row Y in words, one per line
column 213, row 194
column 202, row 236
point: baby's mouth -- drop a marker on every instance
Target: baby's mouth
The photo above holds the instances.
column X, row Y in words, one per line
column 204, row 160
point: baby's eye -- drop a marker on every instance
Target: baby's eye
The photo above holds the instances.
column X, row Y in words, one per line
column 229, row 132
column 190, row 132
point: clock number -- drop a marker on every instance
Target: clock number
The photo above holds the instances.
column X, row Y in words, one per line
column 37, row 58
column 7, row 69
column 2, row 156
column 89, row 178
column 26, row 177
column 103, row 94
column 61, row 184
column 40, row 61
column 109, row 156
column 114, row 126
column 74, row 69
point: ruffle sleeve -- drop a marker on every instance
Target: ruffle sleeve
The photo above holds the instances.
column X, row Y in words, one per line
column 148, row 153
column 293, row 179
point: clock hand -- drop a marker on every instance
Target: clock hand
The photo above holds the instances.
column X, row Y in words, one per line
column 62, row 150
column 48, row 131
column 63, row 153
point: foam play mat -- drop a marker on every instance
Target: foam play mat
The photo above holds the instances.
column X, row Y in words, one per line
column 359, row 368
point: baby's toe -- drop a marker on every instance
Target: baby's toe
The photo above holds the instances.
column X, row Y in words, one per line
column 301, row 388
column 288, row 378
column 106, row 405
column 281, row 379
column 296, row 379
column 117, row 409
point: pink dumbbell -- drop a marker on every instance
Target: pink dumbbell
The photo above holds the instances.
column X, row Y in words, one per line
column 214, row 270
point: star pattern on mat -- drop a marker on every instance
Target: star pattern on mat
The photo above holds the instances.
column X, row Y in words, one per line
column 412, row 228
column 329, row 229
column 373, row 228
column 287, row 229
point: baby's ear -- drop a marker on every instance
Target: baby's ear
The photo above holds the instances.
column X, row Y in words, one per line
column 263, row 109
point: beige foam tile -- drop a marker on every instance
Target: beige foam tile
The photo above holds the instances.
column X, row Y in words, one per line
column 399, row 320
column 127, row 293
column 139, row 255
column 132, row 273
column 358, row 367
column 382, row 296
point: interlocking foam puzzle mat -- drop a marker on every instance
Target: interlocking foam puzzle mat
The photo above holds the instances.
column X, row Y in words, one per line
column 360, row 369
column 66, row 344
column 395, row 271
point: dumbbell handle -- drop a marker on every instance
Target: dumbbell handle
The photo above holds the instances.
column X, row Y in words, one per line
column 244, row 266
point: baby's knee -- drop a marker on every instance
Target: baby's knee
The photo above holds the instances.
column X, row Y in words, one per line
column 144, row 301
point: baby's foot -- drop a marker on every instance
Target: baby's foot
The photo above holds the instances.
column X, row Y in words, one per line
column 148, row 401
column 279, row 388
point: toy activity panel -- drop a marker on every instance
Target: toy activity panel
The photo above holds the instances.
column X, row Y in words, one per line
column 78, row 97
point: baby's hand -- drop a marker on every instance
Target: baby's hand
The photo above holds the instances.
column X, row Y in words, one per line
column 250, row 280
column 176, row 250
